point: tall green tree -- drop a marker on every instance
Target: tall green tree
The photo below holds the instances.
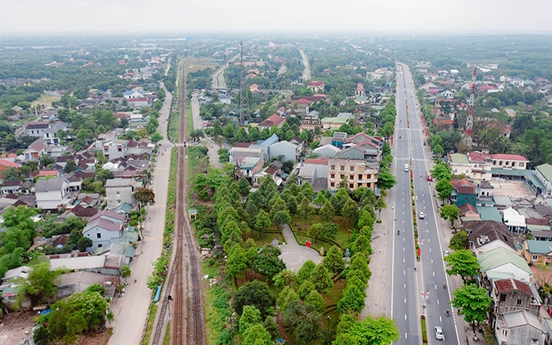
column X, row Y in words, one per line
column 305, row 210
column 334, row 260
column 473, row 301
column 255, row 293
column 327, row 212
column 386, row 180
column 463, row 263
column 237, row 261
column 40, row 285
column 459, row 240
column 381, row 331
column 305, row 272
column 251, row 316
column 321, row 279
column 443, row 188
column 450, row 213
column 350, row 211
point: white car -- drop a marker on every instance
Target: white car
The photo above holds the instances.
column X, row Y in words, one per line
column 439, row 333
column 421, row 215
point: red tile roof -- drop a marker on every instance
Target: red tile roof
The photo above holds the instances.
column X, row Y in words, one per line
column 318, row 161
column 506, row 156
column 463, row 186
column 9, row 164
column 43, row 173
column 506, row 285
column 273, row 120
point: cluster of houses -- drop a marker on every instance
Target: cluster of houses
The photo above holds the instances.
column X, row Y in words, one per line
column 55, row 190
column 508, row 235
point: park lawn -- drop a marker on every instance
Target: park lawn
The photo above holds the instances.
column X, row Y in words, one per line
column 267, row 237
column 46, row 100
column 334, row 295
column 198, row 64
column 342, row 237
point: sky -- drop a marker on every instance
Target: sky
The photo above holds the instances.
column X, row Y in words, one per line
column 68, row 17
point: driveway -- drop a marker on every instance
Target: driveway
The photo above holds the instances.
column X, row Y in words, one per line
column 295, row 255
column 131, row 311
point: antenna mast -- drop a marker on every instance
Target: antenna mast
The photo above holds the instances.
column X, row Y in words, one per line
column 471, row 103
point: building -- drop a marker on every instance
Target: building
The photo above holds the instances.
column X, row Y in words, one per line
column 316, row 86
column 314, row 171
column 519, row 327
column 487, row 235
column 327, row 150
column 501, row 263
column 102, row 231
column 249, row 167
column 511, row 295
column 336, row 122
column 114, row 148
column 514, row 220
column 36, row 129
column 119, row 191
column 537, row 251
column 273, row 120
column 463, row 192
column 52, row 194
column 544, row 174
column 289, row 151
column 351, row 166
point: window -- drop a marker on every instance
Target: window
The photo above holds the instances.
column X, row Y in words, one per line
column 351, row 185
column 360, row 176
column 351, row 177
column 502, row 297
column 332, row 167
column 118, row 202
column 535, row 257
column 119, row 148
column 332, row 175
column 118, row 193
column 100, row 245
column 332, row 184
column 519, row 301
column 98, row 235
column 352, row 168
column 342, row 168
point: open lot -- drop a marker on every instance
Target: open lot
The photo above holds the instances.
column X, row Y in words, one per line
column 512, row 189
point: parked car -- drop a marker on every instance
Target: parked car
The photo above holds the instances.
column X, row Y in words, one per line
column 421, row 215
column 439, row 333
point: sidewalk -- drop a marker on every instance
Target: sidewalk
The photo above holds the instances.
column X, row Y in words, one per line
column 295, row 255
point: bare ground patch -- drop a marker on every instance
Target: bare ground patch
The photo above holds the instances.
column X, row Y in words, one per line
column 512, row 189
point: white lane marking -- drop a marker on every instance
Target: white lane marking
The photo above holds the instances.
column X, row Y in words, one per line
column 432, row 261
column 405, row 335
column 405, row 300
column 438, row 302
column 434, row 274
column 440, row 318
column 405, row 316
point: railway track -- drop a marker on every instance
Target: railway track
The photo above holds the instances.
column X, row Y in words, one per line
column 184, row 283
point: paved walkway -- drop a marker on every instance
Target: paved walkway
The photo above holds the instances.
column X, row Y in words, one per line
column 295, row 255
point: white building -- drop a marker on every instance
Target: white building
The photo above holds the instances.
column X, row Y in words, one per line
column 51, row 193
column 119, row 191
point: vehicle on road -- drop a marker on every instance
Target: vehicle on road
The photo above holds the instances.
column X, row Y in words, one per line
column 406, row 167
column 421, row 215
column 439, row 333
column 445, row 253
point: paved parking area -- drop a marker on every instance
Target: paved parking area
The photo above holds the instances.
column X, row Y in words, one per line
column 293, row 254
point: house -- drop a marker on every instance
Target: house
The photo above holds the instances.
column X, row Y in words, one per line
column 351, row 166
column 249, row 167
column 36, row 129
column 508, row 161
column 289, row 151
column 316, row 86
column 501, row 263
column 544, row 174
column 468, row 212
column 132, row 94
column 327, row 150
column 537, row 251
column 519, row 327
column 272, row 120
column 487, row 235
column 314, row 171
column 336, row 122
column 102, row 231
column 463, row 192
column 10, row 187
column 238, row 153
column 36, row 149
column 511, row 295
column 6, row 164
column 274, row 170
column 513, row 220
column 119, row 191
column 52, row 194
column 50, row 133
column 114, row 148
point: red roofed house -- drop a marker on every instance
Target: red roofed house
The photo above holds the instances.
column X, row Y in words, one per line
column 463, row 193
column 316, row 86
column 511, row 295
column 503, row 160
column 45, row 173
column 273, row 120
column 7, row 164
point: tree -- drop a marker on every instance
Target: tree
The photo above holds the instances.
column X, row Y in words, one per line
column 39, row 285
column 450, row 213
column 305, row 209
column 380, row 205
column 352, row 300
column 305, row 289
column 386, row 180
column 286, row 277
column 144, row 196
column 271, row 327
column 268, row 262
column 83, row 243
column 261, row 222
column 459, row 240
column 320, row 200
column 381, row 331
column 308, row 327
column 443, row 188
column 314, row 231
column 237, row 261
column 305, row 271
column 257, row 335
column 156, row 137
column 281, row 218
column 70, row 166
column 251, row 316
column 45, row 160
column 255, row 293
column 327, row 212
column 463, row 263
column 126, row 272
column 350, row 211
column 334, row 260
column 244, row 186
column 441, row 171
column 473, row 301
column 316, row 300
column 321, row 279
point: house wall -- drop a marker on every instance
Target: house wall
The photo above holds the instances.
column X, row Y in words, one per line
column 509, row 163
column 116, row 196
column 512, row 301
column 282, row 148
column 49, row 200
column 547, row 192
column 520, row 335
column 101, row 237
column 356, row 172
column 463, row 199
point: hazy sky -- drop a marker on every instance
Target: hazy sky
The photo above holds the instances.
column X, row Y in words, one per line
column 184, row 16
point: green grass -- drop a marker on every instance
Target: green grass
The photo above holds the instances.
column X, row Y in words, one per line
column 342, row 236
column 167, row 337
column 149, row 324
column 267, row 237
column 424, row 330
column 334, row 295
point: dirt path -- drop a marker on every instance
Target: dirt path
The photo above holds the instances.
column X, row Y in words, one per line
column 306, row 72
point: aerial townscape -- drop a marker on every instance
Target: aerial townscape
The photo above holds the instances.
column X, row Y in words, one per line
column 265, row 188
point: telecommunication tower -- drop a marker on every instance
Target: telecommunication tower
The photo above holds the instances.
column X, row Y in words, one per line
column 471, row 103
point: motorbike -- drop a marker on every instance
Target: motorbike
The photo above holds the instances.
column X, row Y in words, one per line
column 448, row 312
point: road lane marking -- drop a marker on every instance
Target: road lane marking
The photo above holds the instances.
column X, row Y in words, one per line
column 434, row 273
column 431, row 260
column 405, row 316
column 438, row 302
column 405, row 335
